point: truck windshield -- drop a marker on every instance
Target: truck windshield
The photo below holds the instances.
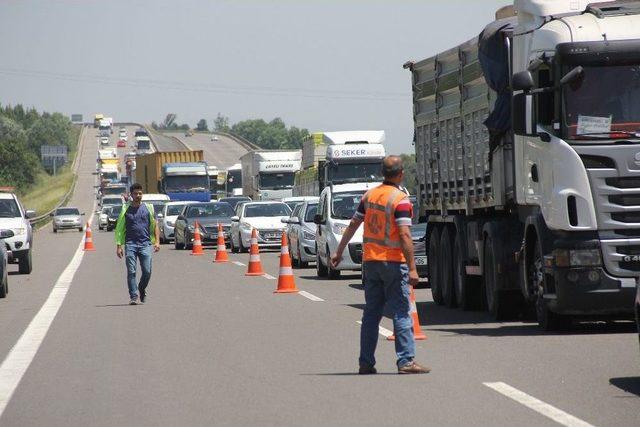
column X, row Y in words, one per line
column 187, row 184
column 345, row 172
column 604, row 103
column 143, row 145
column 111, row 176
column 272, row 181
column 344, row 205
column 9, row 209
column 234, row 180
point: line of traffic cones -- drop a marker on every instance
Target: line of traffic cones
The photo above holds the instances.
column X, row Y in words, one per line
column 255, row 265
column 286, row 283
column 197, row 241
column 418, row 335
column 88, row 239
column 221, row 250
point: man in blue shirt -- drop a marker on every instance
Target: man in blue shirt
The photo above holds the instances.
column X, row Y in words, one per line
column 136, row 233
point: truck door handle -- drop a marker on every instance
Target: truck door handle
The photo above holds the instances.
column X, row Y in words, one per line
column 534, row 173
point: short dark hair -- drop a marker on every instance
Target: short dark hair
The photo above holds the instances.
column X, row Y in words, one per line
column 134, row 187
column 392, row 166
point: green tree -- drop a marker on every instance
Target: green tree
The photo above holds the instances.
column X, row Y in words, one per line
column 50, row 129
column 273, row 135
column 202, row 126
column 19, row 166
column 221, row 123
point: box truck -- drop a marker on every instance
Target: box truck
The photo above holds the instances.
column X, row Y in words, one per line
column 269, row 174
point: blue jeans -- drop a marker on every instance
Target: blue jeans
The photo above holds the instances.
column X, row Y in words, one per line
column 133, row 252
column 386, row 283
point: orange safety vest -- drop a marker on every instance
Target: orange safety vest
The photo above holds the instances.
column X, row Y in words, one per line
column 381, row 233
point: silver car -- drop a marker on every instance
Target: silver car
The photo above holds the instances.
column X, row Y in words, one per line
column 301, row 233
column 67, row 218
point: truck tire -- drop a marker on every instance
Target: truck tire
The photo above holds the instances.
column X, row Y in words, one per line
column 25, row 264
column 467, row 288
column 321, row 270
column 502, row 305
column 547, row 320
column 433, row 265
column 332, row 274
column 446, row 268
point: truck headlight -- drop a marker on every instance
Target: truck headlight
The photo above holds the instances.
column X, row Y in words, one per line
column 577, row 257
column 19, row 231
column 308, row 236
column 339, row 229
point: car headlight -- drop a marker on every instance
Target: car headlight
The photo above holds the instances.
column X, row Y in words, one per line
column 19, row 231
column 170, row 223
column 245, row 225
column 339, row 229
column 577, row 257
column 191, row 228
column 308, row 236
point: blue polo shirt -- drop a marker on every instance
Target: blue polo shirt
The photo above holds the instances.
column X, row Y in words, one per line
column 137, row 225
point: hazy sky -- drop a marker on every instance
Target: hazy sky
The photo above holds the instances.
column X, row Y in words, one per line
column 321, row 65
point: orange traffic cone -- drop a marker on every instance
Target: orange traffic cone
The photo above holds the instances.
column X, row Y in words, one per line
column 255, row 266
column 285, row 277
column 417, row 331
column 221, row 251
column 197, row 242
column 88, row 239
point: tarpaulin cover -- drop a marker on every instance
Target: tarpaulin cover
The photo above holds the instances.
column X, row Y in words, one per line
column 493, row 57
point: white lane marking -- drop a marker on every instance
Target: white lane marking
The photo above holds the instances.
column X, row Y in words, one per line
column 239, row 263
column 382, row 331
column 21, row 355
column 310, row 296
column 268, row 276
column 537, row 405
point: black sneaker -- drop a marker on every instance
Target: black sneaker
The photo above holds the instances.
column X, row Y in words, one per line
column 133, row 301
column 366, row 369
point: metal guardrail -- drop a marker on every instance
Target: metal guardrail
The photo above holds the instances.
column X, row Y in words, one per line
column 75, row 166
column 240, row 140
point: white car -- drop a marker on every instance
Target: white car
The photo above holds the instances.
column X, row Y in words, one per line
column 294, row 201
column 214, row 137
column 102, row 217
column 265, row 217
column 104, row 140
column 167, row 219
column 337, row 205
column 15, row 218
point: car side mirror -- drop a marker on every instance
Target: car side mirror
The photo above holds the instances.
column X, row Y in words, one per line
column 5, row 234
column 30, row 213
column 524, row 120
column 82, row 214
column 52, row 214
column 317, row 219
column 235, row 218
column 284, row 220
column 294, row 220
column 160, row 215
column 522, row 80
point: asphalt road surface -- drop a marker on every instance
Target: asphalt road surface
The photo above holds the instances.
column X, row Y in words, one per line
column 166, row 143
column 223, row 153
column 214, row 347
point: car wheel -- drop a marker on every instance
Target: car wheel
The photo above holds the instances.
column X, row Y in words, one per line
column 301, row 263
column 294, row 261
column 332, row 274
column 232, row 246
column 25, row 265
column 80, row 229
column 55, row 230
column 241, row 247
column 321, row 269
column 187, row 242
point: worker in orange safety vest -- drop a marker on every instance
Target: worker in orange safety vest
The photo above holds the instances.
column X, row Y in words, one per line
column 388, row 267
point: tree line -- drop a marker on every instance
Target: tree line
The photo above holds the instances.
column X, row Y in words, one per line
column 22, row 133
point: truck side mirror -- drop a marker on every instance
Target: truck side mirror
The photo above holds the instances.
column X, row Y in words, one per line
column 524, row 120
column 522, row 80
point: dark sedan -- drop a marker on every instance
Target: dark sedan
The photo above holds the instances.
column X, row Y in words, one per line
column 418, row 234
column 208, row 216
column 112, row 217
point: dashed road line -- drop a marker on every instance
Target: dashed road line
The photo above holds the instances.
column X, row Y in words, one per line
column 268, row 276
column 382, row 331
column 239, row 263
column 537, row 405
column 310, row 296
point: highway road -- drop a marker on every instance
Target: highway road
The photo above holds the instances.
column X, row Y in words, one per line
column 214, row 347
column 223, row 153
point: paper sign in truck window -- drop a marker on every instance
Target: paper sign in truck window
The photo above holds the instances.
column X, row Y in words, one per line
column 592, row 124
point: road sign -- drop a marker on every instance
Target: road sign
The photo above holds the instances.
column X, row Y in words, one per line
column 76, row 118
column 53, row 156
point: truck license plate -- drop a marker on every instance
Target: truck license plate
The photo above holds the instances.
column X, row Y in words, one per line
column 421, row 260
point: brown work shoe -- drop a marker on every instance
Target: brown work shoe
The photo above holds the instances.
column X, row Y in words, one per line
column 413, row 368
column 366, row 369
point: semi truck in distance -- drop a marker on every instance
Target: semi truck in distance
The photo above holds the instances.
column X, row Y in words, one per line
column 234, row 180
column 182, row 175
column 217, row 181
column 96, row 120
column 339, row 158
column 269, row 174
column 143, row 142
column 528, row 164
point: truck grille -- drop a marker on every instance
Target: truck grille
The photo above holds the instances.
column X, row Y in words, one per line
column 615, row 185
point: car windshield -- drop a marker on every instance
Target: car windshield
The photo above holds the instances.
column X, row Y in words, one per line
column 217, row 210
column 418, row 230
column 293, row 205
column 344, row 205
column 113, row 191
column 157, row 206
column 355, row 171
column 233, row 201
column 9, row 209
column 311, row 212
column 276, row 180
column 604, row 101
column 267, row 209
column 173, row 210
column 112, row 200
column 67, row 211
column 114, row 211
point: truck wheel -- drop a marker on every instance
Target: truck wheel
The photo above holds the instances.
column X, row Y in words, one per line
column 433, row 266
column 331, row 273
column 446, row 268
column 547, row 320
column 467, row 288
column 25, row 265
column 321, row 270
column 501, row 304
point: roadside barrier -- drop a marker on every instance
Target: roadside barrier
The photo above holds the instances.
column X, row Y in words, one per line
column 255, row 265
column 88, row 239
column 418, row 335
column 286, row 283
column 221, row 250
column 197, row 242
